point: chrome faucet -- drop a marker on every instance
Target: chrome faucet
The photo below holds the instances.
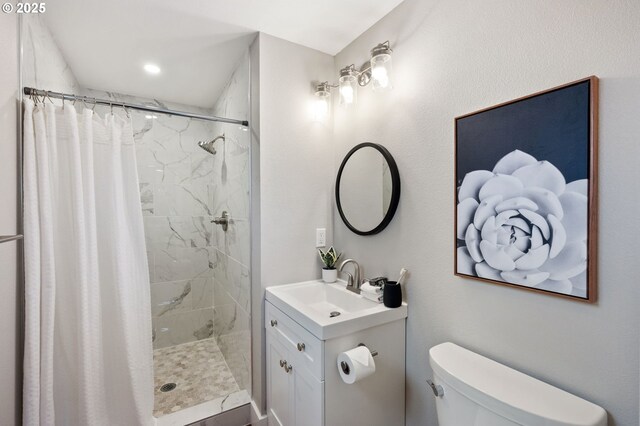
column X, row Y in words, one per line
column 353, row 281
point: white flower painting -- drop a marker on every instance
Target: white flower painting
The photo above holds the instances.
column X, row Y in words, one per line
column 526, row 192
column 523, row 224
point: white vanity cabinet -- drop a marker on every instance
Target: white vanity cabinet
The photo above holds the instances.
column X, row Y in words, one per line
column 295, row 386
column 304, row 387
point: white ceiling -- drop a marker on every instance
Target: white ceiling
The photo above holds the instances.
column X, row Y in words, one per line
column 197, row 43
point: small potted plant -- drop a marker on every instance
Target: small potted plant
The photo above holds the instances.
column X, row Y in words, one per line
column 329, row 259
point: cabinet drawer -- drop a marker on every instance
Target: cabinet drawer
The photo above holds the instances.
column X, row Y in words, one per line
column 305, row 347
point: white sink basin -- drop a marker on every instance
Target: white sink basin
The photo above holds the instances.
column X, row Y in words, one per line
column 311, row 304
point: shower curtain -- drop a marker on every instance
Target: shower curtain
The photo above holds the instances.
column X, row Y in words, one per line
column 88, row 356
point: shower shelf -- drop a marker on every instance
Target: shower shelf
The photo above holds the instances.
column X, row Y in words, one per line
column 7, row 238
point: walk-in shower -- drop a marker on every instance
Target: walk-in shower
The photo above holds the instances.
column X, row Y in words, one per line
column 199, row 270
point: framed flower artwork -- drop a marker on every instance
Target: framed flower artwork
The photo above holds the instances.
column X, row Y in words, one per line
column 526, row 192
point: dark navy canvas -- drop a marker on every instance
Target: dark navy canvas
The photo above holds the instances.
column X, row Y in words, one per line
column 553, row 126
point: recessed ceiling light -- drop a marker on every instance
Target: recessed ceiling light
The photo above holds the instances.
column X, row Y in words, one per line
column 152, row 69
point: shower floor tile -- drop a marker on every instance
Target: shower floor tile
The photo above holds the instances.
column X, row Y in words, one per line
column 199, row 371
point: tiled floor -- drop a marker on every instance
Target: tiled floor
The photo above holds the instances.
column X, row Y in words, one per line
column 199, row 371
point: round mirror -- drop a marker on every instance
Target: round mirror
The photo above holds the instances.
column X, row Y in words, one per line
column 367, row 188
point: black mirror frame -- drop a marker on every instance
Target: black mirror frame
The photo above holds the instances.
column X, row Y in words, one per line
column 395, row 188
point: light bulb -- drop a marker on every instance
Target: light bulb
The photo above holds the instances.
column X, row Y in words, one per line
column 348, row 86
column 380, row 76
column 320, row 106
column 346, row 92
column 320, row 109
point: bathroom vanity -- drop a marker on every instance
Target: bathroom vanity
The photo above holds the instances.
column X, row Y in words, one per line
column 308, row 325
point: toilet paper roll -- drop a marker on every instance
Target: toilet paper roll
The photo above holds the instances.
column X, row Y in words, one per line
column 356, row 364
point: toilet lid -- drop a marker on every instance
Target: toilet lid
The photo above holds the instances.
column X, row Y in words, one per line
column 510, row 393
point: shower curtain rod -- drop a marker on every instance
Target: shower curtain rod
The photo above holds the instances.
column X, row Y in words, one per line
column 30, row 91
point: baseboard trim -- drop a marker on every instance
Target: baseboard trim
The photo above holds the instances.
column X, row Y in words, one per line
column 239, row 416
column 257, row 418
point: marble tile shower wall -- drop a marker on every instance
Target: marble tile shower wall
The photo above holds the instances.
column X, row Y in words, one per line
column 177, row 196
column 177, row 202
column 231, row 178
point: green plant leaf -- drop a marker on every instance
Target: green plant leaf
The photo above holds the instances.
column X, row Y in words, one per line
column 329, row 258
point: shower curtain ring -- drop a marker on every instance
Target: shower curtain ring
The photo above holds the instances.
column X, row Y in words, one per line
column 93, row 108
column 111, row 107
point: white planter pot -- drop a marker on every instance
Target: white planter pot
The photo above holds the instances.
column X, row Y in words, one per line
column 329, row 275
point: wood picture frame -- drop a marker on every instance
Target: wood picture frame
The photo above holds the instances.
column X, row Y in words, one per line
column 523, row 219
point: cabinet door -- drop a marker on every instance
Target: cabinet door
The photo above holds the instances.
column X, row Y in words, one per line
column 308, row 402
column 279, row 385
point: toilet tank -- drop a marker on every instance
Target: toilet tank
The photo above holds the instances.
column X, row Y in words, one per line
column 481, row 392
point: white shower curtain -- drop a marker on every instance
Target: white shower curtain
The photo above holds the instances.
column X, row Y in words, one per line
column 88, row 355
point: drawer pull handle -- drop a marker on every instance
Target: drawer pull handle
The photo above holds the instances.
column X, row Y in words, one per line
column 274, row 323
column 301, row 347
column 286, row 366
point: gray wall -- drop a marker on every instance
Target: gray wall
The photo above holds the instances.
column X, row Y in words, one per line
column 10, row 311
column 457, row 56
column 295, row 175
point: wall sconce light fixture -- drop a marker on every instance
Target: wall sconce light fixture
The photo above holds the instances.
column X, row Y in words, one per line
column 322, row 101
column 348, row 83
column 380, row 65
column 377, row 71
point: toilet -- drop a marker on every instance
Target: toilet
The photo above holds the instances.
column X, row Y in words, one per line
column 472, row 390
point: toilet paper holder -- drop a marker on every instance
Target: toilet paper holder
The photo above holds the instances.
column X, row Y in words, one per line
column 373, row 353
column 345, row 367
